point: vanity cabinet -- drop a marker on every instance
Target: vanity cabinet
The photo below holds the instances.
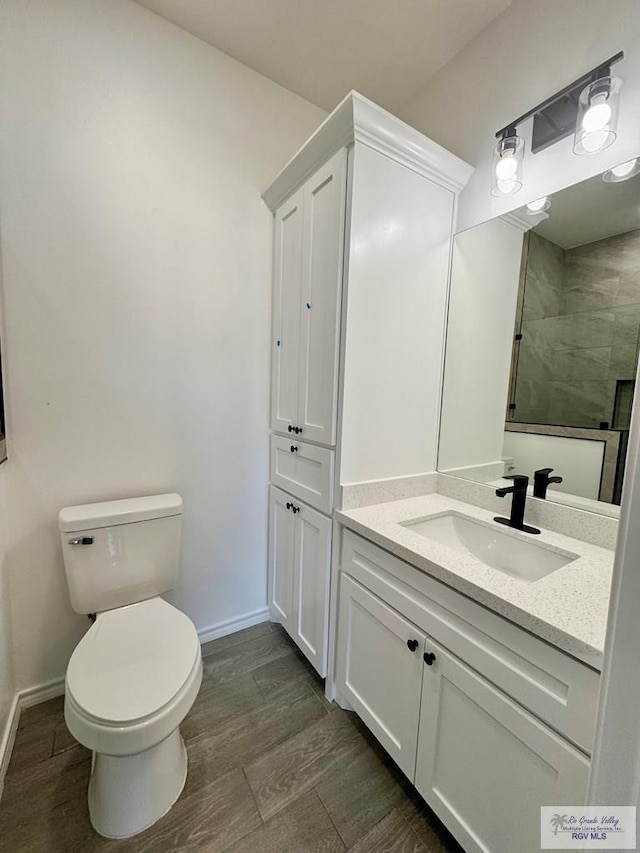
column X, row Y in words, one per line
column 486, row 720
column 299, row 555
column 308, row 243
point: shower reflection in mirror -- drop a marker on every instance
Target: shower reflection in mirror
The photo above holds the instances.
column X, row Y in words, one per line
column 544, row 324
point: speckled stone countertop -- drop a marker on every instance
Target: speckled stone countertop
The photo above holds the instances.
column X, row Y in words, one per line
column 567, row 607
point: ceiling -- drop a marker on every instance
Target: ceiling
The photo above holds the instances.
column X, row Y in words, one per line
column 592, row 210
column 320, row 49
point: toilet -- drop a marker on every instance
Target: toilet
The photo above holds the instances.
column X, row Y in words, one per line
column 136, row 673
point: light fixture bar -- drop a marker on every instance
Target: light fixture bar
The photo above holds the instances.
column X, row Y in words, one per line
column 599, row 71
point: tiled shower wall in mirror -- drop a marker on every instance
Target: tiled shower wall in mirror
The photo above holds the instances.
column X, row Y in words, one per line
column 576, row 361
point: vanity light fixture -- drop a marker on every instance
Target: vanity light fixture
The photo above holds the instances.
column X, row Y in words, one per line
column 538, row 206
column 597, row 120
column 507, row 164
column 622, row 172
column 586, row 109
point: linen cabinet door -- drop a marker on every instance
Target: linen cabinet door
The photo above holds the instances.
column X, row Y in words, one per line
column 282, row 522
column 323, row 240
column 312, row 555
column 379, row 669
column 287, row 283
column 485, row 765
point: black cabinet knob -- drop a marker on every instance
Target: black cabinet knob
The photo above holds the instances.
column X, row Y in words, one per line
column 429, row 658
column 295, row 508
column 290, row 428
column 289, row 505
column 294, row 449
column 412, row 645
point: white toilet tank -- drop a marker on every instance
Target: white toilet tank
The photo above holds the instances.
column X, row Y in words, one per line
column 120, row 552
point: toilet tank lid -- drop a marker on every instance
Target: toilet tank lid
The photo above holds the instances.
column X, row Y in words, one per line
column 110, row 513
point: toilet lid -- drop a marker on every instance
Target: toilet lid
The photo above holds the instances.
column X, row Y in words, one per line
column 132, row 661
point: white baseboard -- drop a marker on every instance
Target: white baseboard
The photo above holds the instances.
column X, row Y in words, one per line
column 29, row 696
column 8, row 738
column 230, row 626
column 25, row 698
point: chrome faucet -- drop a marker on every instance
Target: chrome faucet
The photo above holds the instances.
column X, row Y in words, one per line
column 518, row 503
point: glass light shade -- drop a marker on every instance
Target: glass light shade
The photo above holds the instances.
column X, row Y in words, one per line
column 506, row 174
column 597, row 122
column 622, row 172
column 538, row 206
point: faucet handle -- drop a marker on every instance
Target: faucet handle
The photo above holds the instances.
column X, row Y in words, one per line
column 542, row 480
column 520, row 481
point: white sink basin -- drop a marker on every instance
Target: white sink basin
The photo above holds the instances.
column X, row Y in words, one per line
column 509, row 553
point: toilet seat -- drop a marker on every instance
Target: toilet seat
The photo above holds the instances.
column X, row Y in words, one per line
column 133, row 677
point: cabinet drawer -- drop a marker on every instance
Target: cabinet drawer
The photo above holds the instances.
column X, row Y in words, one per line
column 552, row 685
column 306, row 471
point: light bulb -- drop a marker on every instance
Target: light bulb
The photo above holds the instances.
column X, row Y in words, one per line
column 598, row 107
column 622, row 172
column 625, row 169
column 506, row 167
column 595, row 141
column 538, row 205
column 597, row 116
column 506, row 176
column 508, row 187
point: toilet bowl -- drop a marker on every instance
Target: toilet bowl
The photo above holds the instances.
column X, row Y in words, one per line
column 130, row 682
column 135, row 674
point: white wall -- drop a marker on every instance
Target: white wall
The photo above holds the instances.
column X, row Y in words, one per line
column 525, row 55
column 482, row 308
column 7, row 684
column 615, row 767
column 136, row 253
column 6, row 665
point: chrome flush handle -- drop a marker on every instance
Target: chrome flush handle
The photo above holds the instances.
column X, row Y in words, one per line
column 81, row 540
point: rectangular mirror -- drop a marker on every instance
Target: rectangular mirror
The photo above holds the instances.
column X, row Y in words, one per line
column 542, row 344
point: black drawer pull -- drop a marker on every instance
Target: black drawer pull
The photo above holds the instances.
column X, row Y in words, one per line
column 412, row 645
column 289, row 505
column 294, row 449
column 295, row 508
column 429, row 658
column 290, row 428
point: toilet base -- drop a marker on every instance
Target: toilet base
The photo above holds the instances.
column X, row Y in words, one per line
column 129, row 793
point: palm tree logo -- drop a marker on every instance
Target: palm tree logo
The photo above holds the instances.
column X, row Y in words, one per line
column 557, row 821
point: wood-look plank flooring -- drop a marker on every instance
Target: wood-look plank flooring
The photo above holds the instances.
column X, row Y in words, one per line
column 273, row 768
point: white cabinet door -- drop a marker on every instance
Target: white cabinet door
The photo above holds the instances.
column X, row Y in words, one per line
column 287, row 283
column 323, row 241
column 311, row 585
column 281, row 550
column 299, row 560
column 379, row 670
column 485, row 765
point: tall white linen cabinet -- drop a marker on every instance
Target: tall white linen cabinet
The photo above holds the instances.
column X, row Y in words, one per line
column 363, row 223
